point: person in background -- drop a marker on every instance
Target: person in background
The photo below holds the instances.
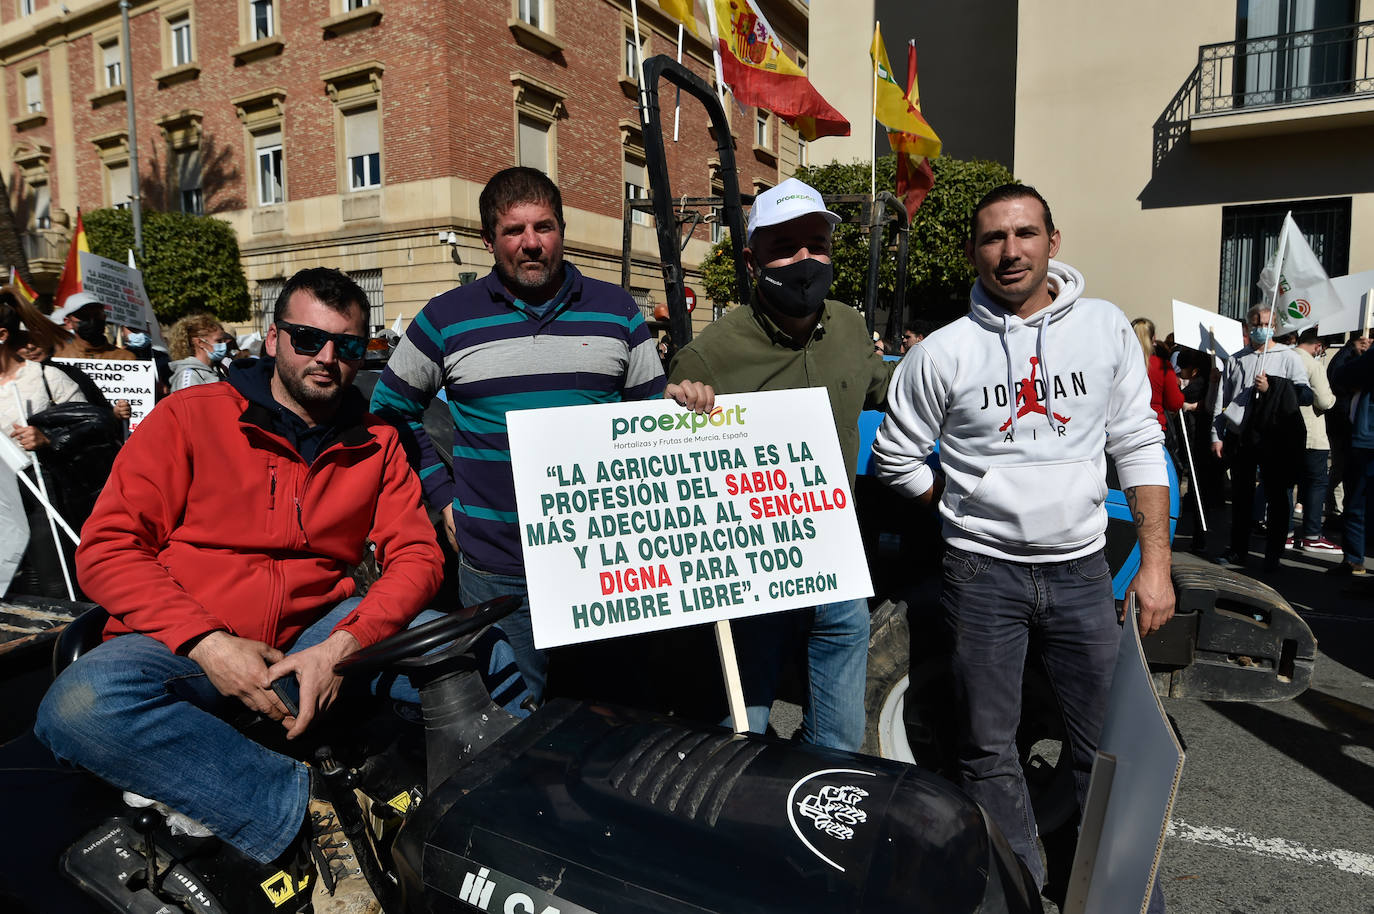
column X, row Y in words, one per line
column 1165, row 394
column 140, row 343
column 83, row 316
column 913, row 333
column 1257, row 429
column 198, row 346
column 28, row 387
column 1313, row 478
column 1200, row 379
column 1338, row 428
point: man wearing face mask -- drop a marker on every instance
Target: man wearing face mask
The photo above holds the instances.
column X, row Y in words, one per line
column 1257, row 425
column 83, row 314
column 791, row 336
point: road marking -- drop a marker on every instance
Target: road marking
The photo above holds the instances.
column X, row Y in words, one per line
column 1279, row 848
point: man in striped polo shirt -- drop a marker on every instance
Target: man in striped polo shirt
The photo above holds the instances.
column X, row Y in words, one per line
column 534, row 332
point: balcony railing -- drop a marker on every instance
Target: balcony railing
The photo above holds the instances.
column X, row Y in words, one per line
column 46, row 245
column 1297, row 68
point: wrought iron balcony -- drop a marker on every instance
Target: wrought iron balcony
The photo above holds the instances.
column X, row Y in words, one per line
column 1277, row 71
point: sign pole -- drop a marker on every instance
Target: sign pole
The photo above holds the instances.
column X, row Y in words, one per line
column 47, row 503
column 729, row 665
column 1192, row 472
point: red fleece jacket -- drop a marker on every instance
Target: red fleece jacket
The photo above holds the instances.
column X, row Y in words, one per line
column 211, row 522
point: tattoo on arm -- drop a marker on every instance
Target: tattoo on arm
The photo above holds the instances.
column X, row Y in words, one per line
column 1136, row 514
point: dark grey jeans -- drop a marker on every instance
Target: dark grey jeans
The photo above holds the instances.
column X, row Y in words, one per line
column 994, row 607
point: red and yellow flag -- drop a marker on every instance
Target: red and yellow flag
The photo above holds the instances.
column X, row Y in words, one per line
column 24, row 289
column 70, row 281
column 909, row 134
column 761, row 75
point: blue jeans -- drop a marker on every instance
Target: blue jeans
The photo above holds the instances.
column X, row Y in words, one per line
column 1312, row 491
column 993, row 607
column 148, row 720
column 837, row 669
column 478, row 586
column 1357, row 467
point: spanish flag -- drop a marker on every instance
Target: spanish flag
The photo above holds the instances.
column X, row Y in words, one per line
column 761, row 75
column 682, row 11
column 70, row 280
column 24, row 289
column 909, row 134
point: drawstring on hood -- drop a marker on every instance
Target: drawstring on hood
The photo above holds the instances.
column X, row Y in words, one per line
column 1066, row 286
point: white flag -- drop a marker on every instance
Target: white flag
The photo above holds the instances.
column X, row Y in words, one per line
column 1305, row 294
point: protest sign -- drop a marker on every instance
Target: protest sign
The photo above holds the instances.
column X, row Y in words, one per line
column 638, row 517
column 1356, row 301
column 120, row 379
column 1207, row 331
column 119, row 288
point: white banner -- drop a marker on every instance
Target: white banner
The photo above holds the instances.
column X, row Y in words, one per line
column 1207, row 331
column 120, row 289
column 638, row 517
column 1353, row 291
column 120, row 379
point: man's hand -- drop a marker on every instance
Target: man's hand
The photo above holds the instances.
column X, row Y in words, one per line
column 1217, row 448
column 122, row 409
column 237, row 668
column 1262, row 382
column 314, row 669
column 1153, row 585
column 1361, row 344
column 696, row 396
column 31, row 438
column 450, row 528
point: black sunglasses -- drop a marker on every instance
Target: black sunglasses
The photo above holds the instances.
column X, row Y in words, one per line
column 310, row 340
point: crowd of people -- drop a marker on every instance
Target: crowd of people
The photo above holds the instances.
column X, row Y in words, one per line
column 222, row 546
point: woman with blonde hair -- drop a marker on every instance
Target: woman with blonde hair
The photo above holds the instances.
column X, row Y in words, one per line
column 1165, row 394
column 198, row 345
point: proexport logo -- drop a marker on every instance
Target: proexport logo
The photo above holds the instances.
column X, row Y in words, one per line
column 680, row 421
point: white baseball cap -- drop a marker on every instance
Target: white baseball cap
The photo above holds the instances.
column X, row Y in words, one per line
column 790, row 200
column 74, row 303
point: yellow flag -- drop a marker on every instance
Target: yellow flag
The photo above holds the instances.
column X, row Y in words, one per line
column 896, row 112
column 682, row 11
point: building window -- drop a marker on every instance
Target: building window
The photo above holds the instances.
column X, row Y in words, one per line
column 632, row 55
column 370, row 281
column 264, row 25
column 269, row 290
column 42, row 207
column 112, row 63
column 356, row 4
column 362, row 143
column 1250, row 235
column 33, row 92
column 762, row 134
column 636, row 188
column 718, row 230
column 532, row 12
column 1292, row 51
column 271, row 186
column 190, row 196
column 533, row 151
column 803, row 152
column 26, row 7
column 117, row 179
column 179, row 30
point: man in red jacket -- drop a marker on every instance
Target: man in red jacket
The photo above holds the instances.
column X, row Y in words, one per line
column 221, row 548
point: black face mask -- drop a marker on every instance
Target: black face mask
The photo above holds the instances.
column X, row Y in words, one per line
column 91, row 329
column 797, row 289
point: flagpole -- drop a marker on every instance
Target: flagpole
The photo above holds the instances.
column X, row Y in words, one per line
column 1192, row 471
column 639, row 65
column 715, row 50
column 1278, row 281
column 47, row 503
column 677, row 105
column 873, row 122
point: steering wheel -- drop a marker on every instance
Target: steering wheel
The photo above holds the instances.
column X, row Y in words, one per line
column 406, row 650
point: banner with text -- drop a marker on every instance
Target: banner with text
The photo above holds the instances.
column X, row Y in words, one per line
column 120, row 379
column 638, row 517
column 119, row 288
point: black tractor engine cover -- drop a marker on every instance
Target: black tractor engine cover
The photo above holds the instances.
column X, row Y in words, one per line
column 588, row 808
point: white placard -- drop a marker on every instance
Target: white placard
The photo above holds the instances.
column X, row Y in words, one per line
column 121, row 379
column 1207, row 331
column 1352, row 291
column 639, row 517
column 119, row 288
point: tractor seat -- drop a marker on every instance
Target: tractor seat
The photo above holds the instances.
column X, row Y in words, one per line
column 81, row 635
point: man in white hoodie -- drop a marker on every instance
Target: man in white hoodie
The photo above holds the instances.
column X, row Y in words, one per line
column 1026, row 396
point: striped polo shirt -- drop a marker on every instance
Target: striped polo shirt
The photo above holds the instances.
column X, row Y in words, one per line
column 491, row 355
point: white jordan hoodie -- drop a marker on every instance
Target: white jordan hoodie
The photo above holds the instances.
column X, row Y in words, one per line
column 1024, row 411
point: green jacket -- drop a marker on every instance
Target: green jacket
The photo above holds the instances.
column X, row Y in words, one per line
column 745, row 352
